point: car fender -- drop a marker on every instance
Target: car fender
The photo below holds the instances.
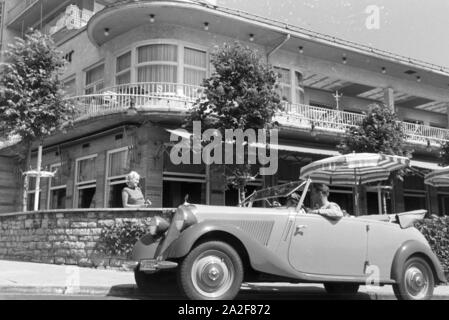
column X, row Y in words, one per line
column 261, row 257
column 412, row 247
column 145, row 248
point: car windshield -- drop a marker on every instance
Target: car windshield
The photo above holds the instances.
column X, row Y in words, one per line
column 280, row 191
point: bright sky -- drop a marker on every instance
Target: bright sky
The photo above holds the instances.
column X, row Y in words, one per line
column 413, row 28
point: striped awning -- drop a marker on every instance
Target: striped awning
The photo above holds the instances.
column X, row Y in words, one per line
column 354, row 168
column 438, row 178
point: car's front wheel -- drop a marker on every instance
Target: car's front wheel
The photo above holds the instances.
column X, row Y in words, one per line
column 211, row 271
column 342, row 289
column 416, row 282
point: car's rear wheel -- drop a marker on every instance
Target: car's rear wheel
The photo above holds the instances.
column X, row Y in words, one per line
column 158, row 282
column 211, row 271
column 416, row 282
column 342, row 289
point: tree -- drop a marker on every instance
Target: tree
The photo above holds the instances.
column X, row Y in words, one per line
column 241, row 94
column 444, row 154
column 31, row 101
column 379, row 132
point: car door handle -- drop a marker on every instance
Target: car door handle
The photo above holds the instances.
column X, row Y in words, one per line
column 300, row 228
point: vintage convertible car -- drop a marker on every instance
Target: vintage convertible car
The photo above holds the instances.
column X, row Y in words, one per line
column 213, row 249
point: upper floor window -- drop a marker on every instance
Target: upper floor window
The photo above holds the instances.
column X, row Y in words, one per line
column 195, row 66
column 157, row 63
column 94, row 79
column 284, row 83
column 123, row 69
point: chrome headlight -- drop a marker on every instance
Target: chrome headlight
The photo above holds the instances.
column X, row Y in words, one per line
column 158, row 225
column 184, row 217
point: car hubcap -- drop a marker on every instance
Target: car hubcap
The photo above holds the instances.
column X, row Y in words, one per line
column 212, row 273
column 416, row 282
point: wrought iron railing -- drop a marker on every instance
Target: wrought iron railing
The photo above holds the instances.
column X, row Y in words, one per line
column 316, row 118
column 152, row 96
column 138, row 96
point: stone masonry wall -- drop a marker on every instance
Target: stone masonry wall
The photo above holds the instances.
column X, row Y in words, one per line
column 63, row 237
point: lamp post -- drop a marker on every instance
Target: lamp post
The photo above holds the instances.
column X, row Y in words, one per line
column 337, row 99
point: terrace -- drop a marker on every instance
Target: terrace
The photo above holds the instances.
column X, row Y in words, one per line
column 179, row 98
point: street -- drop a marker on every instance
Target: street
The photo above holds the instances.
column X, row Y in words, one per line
column 248, row 292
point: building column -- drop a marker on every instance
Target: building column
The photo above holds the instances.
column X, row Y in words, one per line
column 447, row 113
column 217, row 187
column 397, row 196
column 432, row 200
column 389, row 98
column 363, row 203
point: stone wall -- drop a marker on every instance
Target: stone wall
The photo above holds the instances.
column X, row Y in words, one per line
column 69, row 237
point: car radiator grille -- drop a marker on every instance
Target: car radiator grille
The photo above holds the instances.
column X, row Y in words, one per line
column 258, row 230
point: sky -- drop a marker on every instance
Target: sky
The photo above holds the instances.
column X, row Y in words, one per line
column 412, row 28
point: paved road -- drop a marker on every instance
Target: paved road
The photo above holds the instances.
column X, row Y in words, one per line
column 248, row 292
column 24, row 280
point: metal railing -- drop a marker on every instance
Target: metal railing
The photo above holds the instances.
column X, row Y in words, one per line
column 331, row 120
column 422, row 134
column 316, row 118
column 18, row 9
column 162, row 96
column 145, row 96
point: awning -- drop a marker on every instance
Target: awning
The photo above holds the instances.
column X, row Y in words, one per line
column 425, row 165
column 308, row 150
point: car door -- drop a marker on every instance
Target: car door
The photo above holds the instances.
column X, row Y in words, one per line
column 384, row 239
column 323, row 246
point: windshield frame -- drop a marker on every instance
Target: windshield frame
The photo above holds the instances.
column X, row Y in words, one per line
column 248, row 201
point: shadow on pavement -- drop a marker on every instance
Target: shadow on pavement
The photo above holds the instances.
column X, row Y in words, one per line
column 169, row 291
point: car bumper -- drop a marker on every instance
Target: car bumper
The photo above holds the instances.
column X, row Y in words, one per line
column 153, row 265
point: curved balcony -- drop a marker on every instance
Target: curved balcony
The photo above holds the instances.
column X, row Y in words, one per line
column 136, row 97
column 154, row 97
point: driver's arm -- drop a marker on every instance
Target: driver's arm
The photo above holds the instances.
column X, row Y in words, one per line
column 333, row 211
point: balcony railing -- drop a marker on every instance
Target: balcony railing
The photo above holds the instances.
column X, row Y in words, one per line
column 151, row 96
column 315, row 118
column 166, row 97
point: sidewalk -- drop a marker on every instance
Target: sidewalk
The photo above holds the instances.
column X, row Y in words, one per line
column 36, row 278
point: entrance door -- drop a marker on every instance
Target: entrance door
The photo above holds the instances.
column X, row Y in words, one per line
column 328, row 247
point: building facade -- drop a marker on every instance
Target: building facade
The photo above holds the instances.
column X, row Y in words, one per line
column 136, row 67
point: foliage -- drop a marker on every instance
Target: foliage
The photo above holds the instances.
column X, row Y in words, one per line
column 119, row 238
column 240, row 94
column 444, row 154
column 379, row 132
column 31, row 104
column 436, row 231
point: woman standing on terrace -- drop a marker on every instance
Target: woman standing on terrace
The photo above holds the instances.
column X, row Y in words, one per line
column 132, row 196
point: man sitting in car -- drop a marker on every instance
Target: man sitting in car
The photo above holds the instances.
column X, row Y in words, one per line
column 323, row 206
